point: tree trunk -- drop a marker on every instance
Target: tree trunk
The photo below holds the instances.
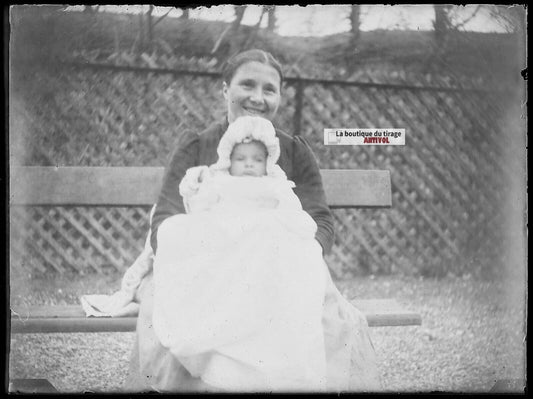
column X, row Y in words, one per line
column 355, row 22
column 141, row 33
column 239, row 13
column 150, row 27
column 235, row 41
column 442, row 22
column 271, row 18
column 253, row 34
column 229, row 41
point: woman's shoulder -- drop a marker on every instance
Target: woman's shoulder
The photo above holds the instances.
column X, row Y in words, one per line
column 214, row 131
column 294, row 148
column 287, row 139
column 283, row 136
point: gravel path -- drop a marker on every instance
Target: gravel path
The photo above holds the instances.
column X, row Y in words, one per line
column 472, row 334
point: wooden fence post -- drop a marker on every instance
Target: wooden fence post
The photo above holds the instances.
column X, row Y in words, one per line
column 298, row 107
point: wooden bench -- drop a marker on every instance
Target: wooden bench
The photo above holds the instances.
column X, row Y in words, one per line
column 139, row 186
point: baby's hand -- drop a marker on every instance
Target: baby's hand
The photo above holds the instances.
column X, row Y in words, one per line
column 192, row 179
column 204, row 173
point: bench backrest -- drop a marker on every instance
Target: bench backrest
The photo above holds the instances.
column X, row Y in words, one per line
column 138, row 186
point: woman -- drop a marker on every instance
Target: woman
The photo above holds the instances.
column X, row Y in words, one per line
column 252, row 83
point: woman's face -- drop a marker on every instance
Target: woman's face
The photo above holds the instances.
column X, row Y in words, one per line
column 253, row 90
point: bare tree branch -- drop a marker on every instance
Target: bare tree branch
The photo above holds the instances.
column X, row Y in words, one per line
column 253, row 34
column 513, row 17
column 161, row 18
column 219, row 41
column 460, row 25
column 231, row 29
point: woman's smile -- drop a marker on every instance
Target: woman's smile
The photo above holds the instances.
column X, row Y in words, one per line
column 255, row 110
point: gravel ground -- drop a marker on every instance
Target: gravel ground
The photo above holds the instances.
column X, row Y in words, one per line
column 472, row 335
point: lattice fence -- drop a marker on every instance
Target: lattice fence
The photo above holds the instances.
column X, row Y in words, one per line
column 78, row 239
column 448, row 180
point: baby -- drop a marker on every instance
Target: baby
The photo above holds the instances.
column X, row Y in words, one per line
column 245, row 176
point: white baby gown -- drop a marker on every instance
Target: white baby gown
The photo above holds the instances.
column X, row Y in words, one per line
column 239, row 288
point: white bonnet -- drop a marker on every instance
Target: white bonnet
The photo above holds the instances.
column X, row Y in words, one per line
column 243, row 130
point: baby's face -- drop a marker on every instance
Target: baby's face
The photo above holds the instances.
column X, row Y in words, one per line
column 248, row 159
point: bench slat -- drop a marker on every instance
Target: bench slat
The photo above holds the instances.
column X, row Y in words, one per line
column 135, row 186
column 139, row 186
column 71, row 318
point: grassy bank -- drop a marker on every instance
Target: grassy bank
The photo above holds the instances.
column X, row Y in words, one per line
column 472, row 335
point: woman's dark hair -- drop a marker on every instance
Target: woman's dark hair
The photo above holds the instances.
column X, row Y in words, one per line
column 261, row 56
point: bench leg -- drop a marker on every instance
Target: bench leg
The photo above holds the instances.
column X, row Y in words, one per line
column 37, row 385
column 507, row 386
